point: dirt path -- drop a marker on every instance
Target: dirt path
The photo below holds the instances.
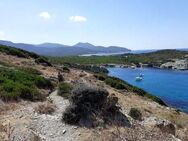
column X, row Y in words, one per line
column 50, row 127
column 27, row 124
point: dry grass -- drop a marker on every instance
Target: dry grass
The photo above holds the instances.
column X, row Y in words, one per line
column 46, row 108
column 135, row 133
column 6, row 132
column 7, row 107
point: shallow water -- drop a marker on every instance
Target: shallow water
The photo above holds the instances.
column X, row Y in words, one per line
column 169, row 85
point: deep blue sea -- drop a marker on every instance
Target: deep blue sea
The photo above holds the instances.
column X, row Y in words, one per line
column 171, row 86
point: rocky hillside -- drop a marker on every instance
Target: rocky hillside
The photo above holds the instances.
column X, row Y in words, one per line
column 180, row 64
column 82, row 106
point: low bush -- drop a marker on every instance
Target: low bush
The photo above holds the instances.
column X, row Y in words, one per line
column 64, row 89
column 43, row 83
column 15, row 84
column 100, row 77
column 30, row 70
column 135, row 114
column 12, row 51
column 17, row 52
column 91, row 107
column 66, row 69
column 115, row 83
column 30, row 93
column 111, row 82
column 42, row 61
column 90, row 68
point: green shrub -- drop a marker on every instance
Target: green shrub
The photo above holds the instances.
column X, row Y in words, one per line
column 120, row 86
column 115, row 83
column 43, row 83
column 93, row 105
column 31, row 70
column 32, row 94
column 15, row 84
column 64, row 89
column 9, row 96
column 12, row 51
column 18, row 52
column 111, row 82
column 90, row 68
column 100, row 77
column 43, row 61
column 66, row 69
column 135, row 114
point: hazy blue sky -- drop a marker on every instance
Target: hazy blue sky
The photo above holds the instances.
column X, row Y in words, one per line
column 135, row 24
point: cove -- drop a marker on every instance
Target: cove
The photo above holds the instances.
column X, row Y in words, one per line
column 171, row 86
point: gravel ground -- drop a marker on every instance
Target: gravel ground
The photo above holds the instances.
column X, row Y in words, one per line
column 27, row 125
column 50, row 127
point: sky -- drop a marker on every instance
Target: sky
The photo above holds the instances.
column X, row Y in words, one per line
column 135, row 24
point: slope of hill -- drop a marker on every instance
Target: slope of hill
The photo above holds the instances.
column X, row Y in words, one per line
column 29, row 110
column 53, row 49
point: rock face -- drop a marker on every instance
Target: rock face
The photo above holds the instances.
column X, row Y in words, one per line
column 167, row 127
column 177, row 64
column 164, row 125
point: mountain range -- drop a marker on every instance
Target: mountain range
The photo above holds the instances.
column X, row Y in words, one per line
column 54, row 49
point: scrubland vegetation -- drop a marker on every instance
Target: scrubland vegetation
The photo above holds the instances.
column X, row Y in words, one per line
column 81, row 103
column 64, row 89
column 91, row 107
column 24, row 54
column 16, row 84
column 66, row 69
column 135, row 114
column 122, row 85
column 90, row 68
column 153, row 59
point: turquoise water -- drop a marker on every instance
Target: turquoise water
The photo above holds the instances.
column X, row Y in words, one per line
column 169, row 85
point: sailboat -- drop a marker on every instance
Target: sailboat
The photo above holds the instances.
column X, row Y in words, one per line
column 140, row 77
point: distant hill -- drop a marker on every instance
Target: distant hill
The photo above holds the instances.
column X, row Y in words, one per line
column 101, row 49
column 54, row 49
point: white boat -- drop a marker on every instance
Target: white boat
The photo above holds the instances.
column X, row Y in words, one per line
column 138, row 78
column 133, row 67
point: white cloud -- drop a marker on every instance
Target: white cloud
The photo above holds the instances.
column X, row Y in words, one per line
column 45, row 15
column 78, row 19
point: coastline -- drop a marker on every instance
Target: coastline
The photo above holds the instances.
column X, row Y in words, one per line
column 141, row 66
column 161, row 89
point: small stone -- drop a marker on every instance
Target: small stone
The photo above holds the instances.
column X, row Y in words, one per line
column 35, row 114
column 75, row 127
column 64, row 131
column 21, row 116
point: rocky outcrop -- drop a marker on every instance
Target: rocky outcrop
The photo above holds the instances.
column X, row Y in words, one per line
column 176, row 64
column 164, row 125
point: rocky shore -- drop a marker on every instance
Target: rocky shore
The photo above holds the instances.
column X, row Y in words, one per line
column 176, row 64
